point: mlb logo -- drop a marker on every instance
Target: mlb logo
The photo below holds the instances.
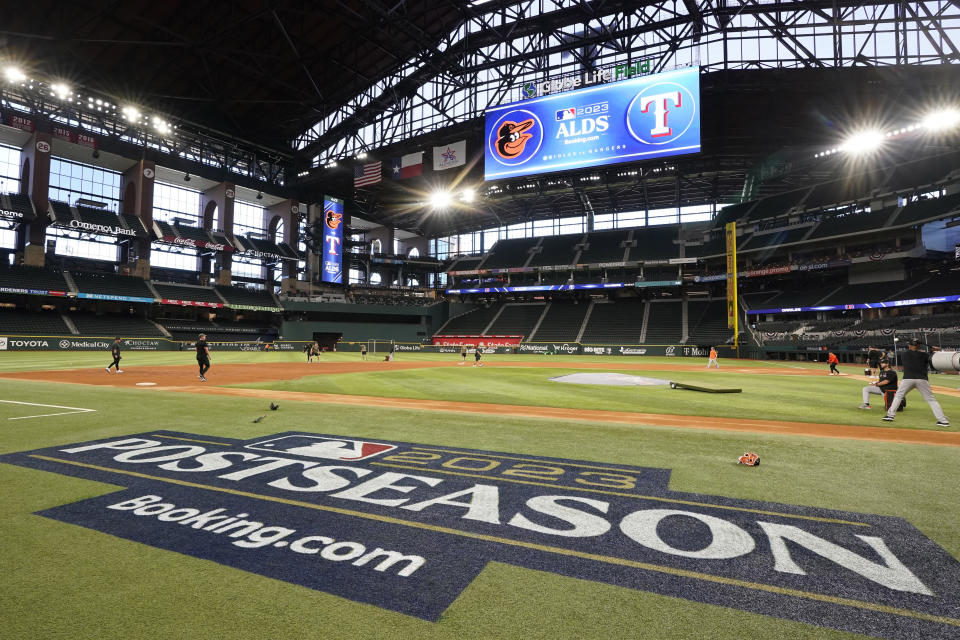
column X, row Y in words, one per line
column 321, row 448
column 566, row 114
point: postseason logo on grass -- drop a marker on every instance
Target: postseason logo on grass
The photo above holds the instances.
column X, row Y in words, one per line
column 407, row 527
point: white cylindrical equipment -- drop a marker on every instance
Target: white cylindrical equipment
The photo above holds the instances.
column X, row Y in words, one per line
column 946, row 360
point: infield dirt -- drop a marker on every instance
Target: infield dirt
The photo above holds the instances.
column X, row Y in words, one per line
column 183, row 379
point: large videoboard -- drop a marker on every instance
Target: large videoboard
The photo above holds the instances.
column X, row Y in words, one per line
column 636, row 119
column 332, row 240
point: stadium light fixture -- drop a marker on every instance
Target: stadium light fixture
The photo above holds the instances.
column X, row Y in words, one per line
column 467, row 195
column 14, row 74
column 440, row 199
column 361, row 155
column 161, row 125
column 941, row 120
column 131, row 113
column 60, row 90
column 863, row 142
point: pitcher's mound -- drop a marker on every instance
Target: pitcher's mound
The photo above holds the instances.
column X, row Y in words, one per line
column 610, row 379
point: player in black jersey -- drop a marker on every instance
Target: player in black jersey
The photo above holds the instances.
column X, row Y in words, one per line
column 203, row 356
column 115, row 352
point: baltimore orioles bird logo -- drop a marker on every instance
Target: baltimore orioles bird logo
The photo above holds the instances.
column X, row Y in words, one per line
column 333, row 218
column 511, row 138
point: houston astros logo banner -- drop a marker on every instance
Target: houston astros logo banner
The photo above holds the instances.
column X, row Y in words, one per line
column 636, row 119
column 408, row 526
column 332, row 240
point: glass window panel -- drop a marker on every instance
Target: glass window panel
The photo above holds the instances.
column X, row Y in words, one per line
column 543, row 228
column 183, row 259
column 8, row 239
column 663, row 216
column 490, row 237
column 78, row 248
column 9, row 169
column 571, row 225
column 171, row 201
column 248, row 218
column 631, row 219
column 516, row 230
column 604, row 221
column 71, row 185
column 247, row 269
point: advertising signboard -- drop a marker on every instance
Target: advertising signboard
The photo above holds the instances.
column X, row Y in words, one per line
column 332, row 240
column 637, row 119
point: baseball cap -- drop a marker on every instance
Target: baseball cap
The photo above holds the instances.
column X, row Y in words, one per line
column 916, row 342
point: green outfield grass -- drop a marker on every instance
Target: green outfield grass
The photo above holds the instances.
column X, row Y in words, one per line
column 63, row 581
column 778, row 397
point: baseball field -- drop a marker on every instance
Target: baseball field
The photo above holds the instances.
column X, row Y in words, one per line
column 150, row 505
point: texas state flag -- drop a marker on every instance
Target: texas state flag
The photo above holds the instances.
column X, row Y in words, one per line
column 408, row 166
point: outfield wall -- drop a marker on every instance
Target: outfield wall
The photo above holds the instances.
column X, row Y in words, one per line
column 104, row 343
column 559, row 348
column 374, row 345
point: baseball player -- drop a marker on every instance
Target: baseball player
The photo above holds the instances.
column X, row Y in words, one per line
column 313, row 353
column 477, row 355
column 463, row 354
column 363, row 350
column 203, row 356
column 915, row 365
column 834, row 361
column 713, row 358
column 115, row 352
column 886, row 382
column 873, row 360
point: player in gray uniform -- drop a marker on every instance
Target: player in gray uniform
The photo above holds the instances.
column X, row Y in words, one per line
column 915, row 366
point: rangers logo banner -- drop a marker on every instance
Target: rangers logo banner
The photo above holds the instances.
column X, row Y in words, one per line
column 332, row 252
column 637, row 119
column 408, row 527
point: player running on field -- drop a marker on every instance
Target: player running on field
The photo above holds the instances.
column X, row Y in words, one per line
column 834, row 361
column 713, row 358
column 477, row 355
column 115, row 352
column 313, row 353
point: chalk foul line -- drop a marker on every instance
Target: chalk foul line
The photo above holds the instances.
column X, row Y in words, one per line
column 72, row 410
